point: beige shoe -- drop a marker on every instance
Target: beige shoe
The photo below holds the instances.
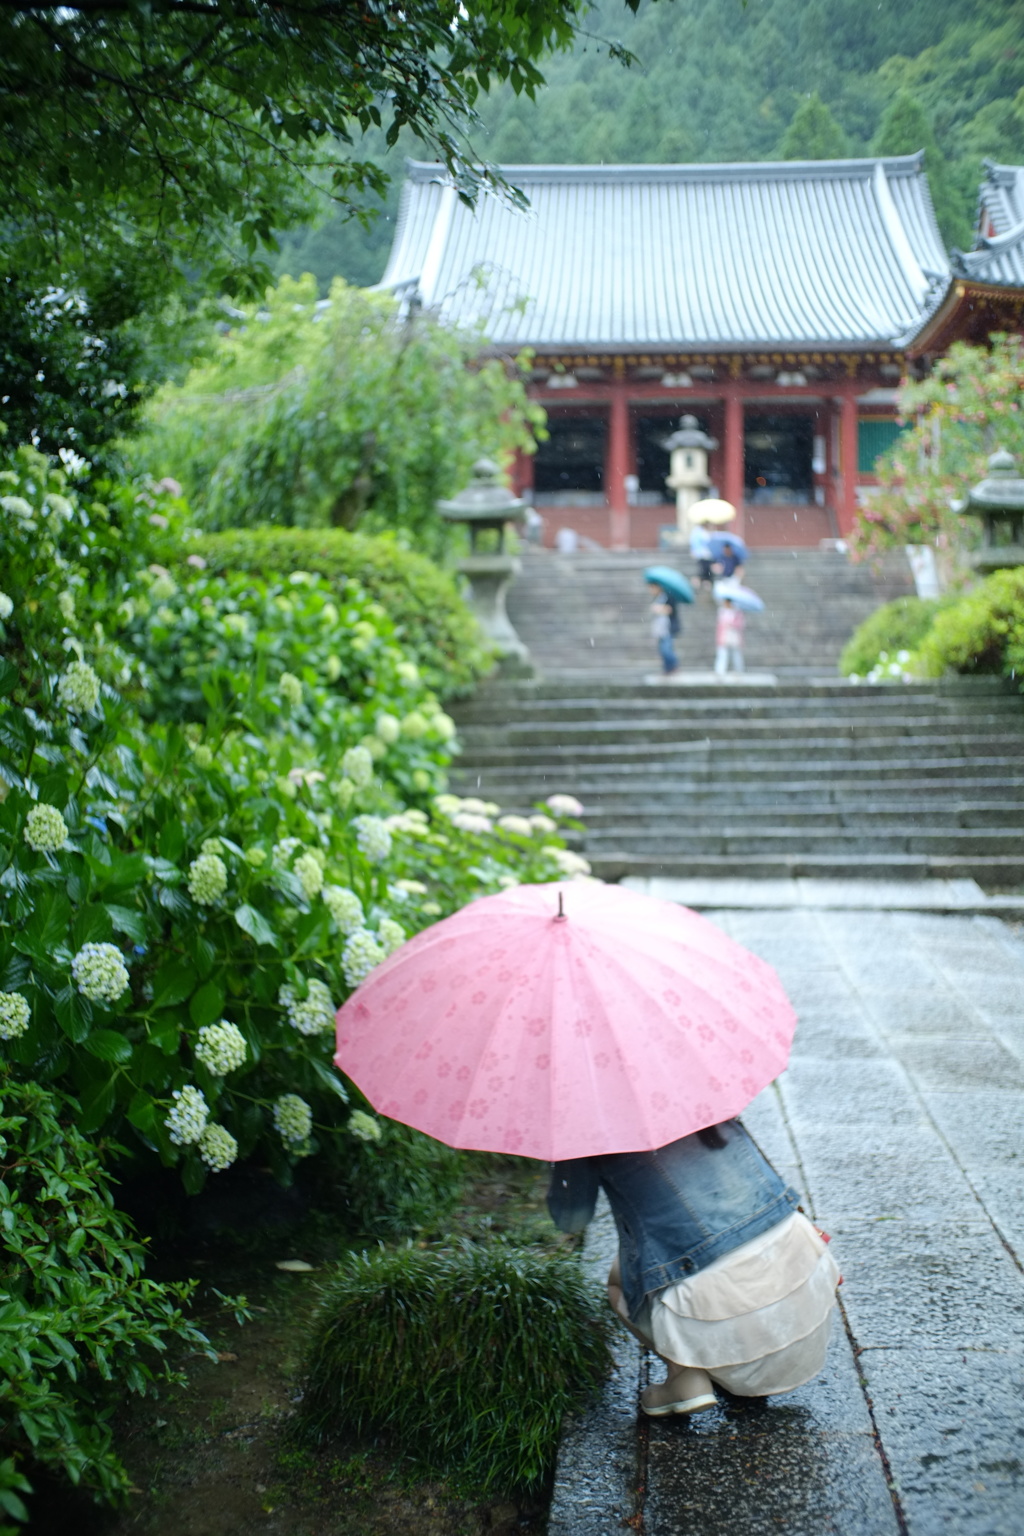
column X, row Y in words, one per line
column 686, row 1390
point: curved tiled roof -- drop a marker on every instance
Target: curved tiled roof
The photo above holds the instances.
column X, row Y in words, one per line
column 827, row 253
column 998, row 258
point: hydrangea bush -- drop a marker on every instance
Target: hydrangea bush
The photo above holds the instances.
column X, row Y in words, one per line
column 189, row 896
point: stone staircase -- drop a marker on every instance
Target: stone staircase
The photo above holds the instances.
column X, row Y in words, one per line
column 588, row 614
column 807, row 776
column 803, row 779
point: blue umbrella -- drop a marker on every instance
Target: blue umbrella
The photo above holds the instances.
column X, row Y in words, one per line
column 718, row 541
column 670, row 581
column 741, row 596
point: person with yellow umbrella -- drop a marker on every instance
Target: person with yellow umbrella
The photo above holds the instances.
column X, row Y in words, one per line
column 705, row 515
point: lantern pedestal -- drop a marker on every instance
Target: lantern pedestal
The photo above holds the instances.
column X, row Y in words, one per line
column 488, row 578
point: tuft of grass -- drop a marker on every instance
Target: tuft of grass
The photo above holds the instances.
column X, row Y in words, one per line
column 466, row 1360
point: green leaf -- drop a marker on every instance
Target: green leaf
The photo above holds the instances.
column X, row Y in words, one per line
column 171, row 841
column 208, row 1004
column 74, row 1013
column 8, row 679
column 47, row 927
column 108, row 1045
column 128, row 921
column 193, row 1173
column 165, row 1034
column 173, row 983
column 91, row 926
column 97, row 1104
column 143, row 1114
column 329, row 1079
column 127, row 869
column 256, row 926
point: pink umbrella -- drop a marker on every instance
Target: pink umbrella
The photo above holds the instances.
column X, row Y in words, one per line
column 618, row 1026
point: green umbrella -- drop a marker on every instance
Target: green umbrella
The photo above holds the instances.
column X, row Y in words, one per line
column 670, row 581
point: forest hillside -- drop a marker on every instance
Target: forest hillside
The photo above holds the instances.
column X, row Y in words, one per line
column 750, row 80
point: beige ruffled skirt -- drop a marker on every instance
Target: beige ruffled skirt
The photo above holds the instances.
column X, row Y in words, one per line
column 758, row 1319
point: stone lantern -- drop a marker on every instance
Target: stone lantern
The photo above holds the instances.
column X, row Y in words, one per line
column 488, row 504
column 689, row 446
column 999, row 501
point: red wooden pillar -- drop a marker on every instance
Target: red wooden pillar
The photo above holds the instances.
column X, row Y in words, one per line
column 847, row 509
column 732, row 457
column 617, row 466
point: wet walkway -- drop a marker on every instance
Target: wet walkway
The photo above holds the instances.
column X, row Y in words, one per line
column 901, row 1120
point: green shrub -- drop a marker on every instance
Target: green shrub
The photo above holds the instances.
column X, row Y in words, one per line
column 467, row 1360
column 185, row 907
column 80, row 1325
column 402, row 1184
column 982, row 632
column 895, row 627
column 432, row 623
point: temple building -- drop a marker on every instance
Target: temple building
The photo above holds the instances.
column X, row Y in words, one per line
column 985, row 292
column 777, row 304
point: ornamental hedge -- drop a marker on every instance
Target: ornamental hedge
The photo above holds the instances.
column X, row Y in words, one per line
column 432, row 623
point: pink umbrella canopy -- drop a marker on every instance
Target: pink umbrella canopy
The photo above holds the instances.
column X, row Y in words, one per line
column 618, row 1027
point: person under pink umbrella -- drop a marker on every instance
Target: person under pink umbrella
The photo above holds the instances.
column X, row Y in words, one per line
column 718, row 1271
column 618, row 1037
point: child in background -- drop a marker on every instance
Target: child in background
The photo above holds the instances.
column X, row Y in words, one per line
column 728, row 638
column 664, row 627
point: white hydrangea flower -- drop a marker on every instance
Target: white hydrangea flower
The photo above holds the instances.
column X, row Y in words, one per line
column 568, row 862
column 17, row 506
column 66, row 604
column 45, row 828
column 217, row 1148
column 408, row 671
column 372, row 838
column 541, row 823
column 99, row 972
column 564, row 805
column 202, row 756
column 79, row 688
column 388, row 728
column 364, row 1126
column 282, row 851
column 391, row 934
column 362, row 952
column 443, row 726
column 312, row 1014
column 290, row 689
column 207, row 879
column 293, row 1118
column 345, row 907
column 15, row 1014
column 163, row 587
column 310, row 874
column 447, row 804
column 508, row 881
column 519, row 826
column 255, row 857
column 211, row 845
column 415, row 725
column 357, row 765
column 468, row 821
column 221, row 1048
column 6, row 606
column 187, row 1119
column 477, row 807
column 411, row 887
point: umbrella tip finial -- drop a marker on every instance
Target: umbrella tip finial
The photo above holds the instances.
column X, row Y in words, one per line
column 560, row 917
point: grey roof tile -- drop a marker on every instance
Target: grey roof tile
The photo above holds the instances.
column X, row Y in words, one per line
column 999, row 258
column 842, row 253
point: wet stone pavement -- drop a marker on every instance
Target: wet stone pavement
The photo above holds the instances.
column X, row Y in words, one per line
column 901, row 1120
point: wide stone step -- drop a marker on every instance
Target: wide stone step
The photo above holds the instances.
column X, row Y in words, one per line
column 678, row 841
column 604, row 820
column 999, row 873
column 752, row 734
column 772, row 757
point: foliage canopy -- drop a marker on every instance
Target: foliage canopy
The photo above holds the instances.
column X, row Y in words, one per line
column 333, row 413
column 967, row 407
